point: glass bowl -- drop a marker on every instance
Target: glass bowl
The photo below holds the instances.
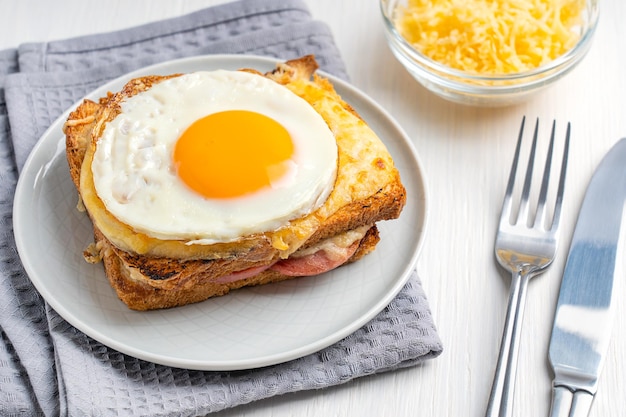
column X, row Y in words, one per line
column 484, row 90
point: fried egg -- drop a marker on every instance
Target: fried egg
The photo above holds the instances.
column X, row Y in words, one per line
column 212, row 156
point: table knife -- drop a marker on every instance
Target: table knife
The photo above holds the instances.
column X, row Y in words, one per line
column 584, row 313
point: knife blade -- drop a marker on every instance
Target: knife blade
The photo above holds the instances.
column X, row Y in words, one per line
column 584, row 313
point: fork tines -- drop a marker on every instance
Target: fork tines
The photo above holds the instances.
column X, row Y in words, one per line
column 541, row 214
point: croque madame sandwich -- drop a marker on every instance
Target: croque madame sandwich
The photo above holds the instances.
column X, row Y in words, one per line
column 198, row 184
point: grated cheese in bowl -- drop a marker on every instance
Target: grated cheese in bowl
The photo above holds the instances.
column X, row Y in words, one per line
column 489, row 52
column 491, row 36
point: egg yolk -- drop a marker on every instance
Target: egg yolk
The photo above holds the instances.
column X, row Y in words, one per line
column 232, row 153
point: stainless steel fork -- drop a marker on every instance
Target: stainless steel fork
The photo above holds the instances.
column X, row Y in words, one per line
column 525, row 248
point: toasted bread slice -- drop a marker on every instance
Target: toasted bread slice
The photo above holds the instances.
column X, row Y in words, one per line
column 144, row 283
column 149, row 273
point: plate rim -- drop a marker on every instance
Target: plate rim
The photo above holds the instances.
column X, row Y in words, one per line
column 29, row 170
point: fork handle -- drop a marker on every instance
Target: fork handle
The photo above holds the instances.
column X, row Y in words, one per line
column 501, row 398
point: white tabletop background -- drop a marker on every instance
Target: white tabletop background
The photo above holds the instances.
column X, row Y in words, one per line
column 466, row 153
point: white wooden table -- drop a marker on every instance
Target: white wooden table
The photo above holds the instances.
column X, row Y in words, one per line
column 466, row 153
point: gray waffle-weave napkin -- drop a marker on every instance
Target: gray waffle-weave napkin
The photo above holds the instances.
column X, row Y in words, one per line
column 49, row 368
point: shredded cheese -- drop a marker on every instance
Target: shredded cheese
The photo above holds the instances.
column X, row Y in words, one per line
column 491, row 36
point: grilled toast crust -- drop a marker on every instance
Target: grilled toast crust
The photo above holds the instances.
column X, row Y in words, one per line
column 150, row 280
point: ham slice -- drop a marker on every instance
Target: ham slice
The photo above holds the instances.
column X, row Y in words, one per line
column 317, row 263
column 324, row 257
column 246, row 273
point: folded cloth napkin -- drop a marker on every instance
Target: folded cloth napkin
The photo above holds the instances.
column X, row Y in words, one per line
column 49, row 368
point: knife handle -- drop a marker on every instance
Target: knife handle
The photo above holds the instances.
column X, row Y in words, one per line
column 581, row 405
column 561, row 401
column 566, row 403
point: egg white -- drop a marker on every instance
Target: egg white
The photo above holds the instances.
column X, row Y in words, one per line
column 135, row 177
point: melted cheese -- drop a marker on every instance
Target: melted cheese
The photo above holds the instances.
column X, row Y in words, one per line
column 335, row 246
column 491, row 36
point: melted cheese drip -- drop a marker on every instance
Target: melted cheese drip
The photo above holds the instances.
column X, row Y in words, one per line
column 491, row 36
